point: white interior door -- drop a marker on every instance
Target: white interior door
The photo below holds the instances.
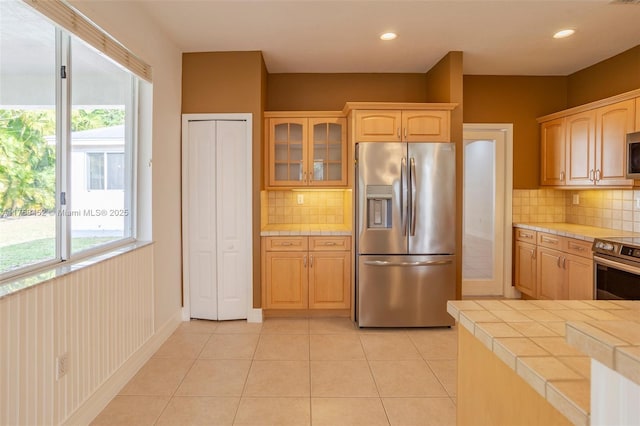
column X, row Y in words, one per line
column 233, row 188
column 217, row 219
column 486, row 213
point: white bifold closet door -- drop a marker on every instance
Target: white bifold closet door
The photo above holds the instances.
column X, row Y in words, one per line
column 217, row 210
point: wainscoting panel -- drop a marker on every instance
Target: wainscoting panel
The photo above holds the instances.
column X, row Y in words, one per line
column 95, row 318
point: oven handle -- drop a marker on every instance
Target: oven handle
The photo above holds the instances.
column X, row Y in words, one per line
column 616, row 265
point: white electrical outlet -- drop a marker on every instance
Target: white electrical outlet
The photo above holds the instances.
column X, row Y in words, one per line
column 62, row 365
column 300, row 198
column 576, row 199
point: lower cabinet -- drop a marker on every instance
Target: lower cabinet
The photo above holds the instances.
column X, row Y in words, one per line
column 554, row 268
column 525, row 262
column 306, row 272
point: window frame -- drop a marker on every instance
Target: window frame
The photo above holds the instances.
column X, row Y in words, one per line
column 63, row 190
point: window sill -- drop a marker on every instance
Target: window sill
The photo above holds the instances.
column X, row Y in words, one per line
column 17, row 284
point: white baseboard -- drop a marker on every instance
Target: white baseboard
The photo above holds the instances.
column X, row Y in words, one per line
column 254, row 315
column 110, row 388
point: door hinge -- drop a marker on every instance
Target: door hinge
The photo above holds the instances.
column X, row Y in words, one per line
column 63, row 198
column 63, row 71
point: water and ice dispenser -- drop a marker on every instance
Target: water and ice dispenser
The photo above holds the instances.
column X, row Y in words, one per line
column 379, row 199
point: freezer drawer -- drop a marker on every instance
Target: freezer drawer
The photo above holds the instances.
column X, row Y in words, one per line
column 405, row 291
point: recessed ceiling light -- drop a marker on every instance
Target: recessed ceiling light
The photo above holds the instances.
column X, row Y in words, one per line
column 564, row 33
column 388, row 36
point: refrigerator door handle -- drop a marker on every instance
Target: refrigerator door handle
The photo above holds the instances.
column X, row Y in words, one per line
column 412, row 173
column 404, row 212
column 424, row 263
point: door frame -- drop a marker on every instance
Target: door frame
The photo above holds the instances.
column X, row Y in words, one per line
column 253, row 315
column 508, row 290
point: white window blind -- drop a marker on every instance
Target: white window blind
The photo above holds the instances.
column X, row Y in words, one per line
column 76, row 23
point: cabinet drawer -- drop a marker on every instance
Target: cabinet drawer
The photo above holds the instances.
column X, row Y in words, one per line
column 329, row 243
column 526, row 235
column 579, row 247
column 551, row 241
column 286, row 243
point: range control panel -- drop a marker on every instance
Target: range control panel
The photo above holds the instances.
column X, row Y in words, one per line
column 630, row 251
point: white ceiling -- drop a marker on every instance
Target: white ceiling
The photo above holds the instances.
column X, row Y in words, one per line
column 503, row 37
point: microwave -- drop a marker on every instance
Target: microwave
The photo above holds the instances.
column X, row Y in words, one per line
column 633, row 155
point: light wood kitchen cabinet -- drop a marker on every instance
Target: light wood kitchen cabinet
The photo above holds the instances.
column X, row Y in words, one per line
column 613, row 122
column 580, row 148
column 284, row 272
column 402, row 126
column 553, row 149
column 561, row 268
column 637, row 115
column 586, row 146
column 306, row 272
column 306, row 151
column 525, row 262
column 579, row 277
column 552, row 283
column 525, row 268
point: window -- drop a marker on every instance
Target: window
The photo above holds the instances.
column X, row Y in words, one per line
column 98, row 173
column 67, row 146
column 95, row 168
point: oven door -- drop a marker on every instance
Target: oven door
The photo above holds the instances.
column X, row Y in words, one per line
column 616, row 280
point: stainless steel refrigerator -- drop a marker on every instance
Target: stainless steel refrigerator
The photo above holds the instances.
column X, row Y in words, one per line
column 405, row 243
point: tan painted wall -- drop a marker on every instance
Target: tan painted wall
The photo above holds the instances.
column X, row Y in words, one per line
column 444, row 84
column 618, row 74
column 232, row 82
column 129, row 23
column 329, row 92
column 518, row 100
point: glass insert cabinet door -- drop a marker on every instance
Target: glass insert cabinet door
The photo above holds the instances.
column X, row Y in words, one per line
column 307, row 152
column 327, row 153
column 288, row 140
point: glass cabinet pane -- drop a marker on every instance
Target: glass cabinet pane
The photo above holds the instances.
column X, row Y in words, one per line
column 335, row 171
column 318, row 170
column 295, row 152
column 335, row 152
column 335, row 133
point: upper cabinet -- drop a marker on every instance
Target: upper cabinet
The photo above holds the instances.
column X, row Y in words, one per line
column 306, row 151
column 553, row 149
column 586, row 146
column 402, row 125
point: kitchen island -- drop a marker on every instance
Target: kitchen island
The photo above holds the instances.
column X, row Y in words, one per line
column 530, row 362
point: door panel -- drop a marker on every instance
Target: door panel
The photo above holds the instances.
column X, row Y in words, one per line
column 202, row 218
column 379, row 197
column 551, row 276
column 525, row 268
column 377, row 126
column 580, row 139
column 553, row 152
column 613, row 122
column 432, row 229
column 329, row 278
column 233, row 277
column 216, row 209
column 286, row 280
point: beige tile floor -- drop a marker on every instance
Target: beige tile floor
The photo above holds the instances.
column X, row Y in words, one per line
column 318, row 371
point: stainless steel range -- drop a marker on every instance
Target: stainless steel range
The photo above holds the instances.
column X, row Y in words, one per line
column 617, row 268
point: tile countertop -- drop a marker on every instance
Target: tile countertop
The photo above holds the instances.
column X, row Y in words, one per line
column 580, row 232
column 310, row 229
column 550, row 343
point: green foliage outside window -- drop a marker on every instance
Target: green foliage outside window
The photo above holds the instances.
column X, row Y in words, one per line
column 27, row 159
